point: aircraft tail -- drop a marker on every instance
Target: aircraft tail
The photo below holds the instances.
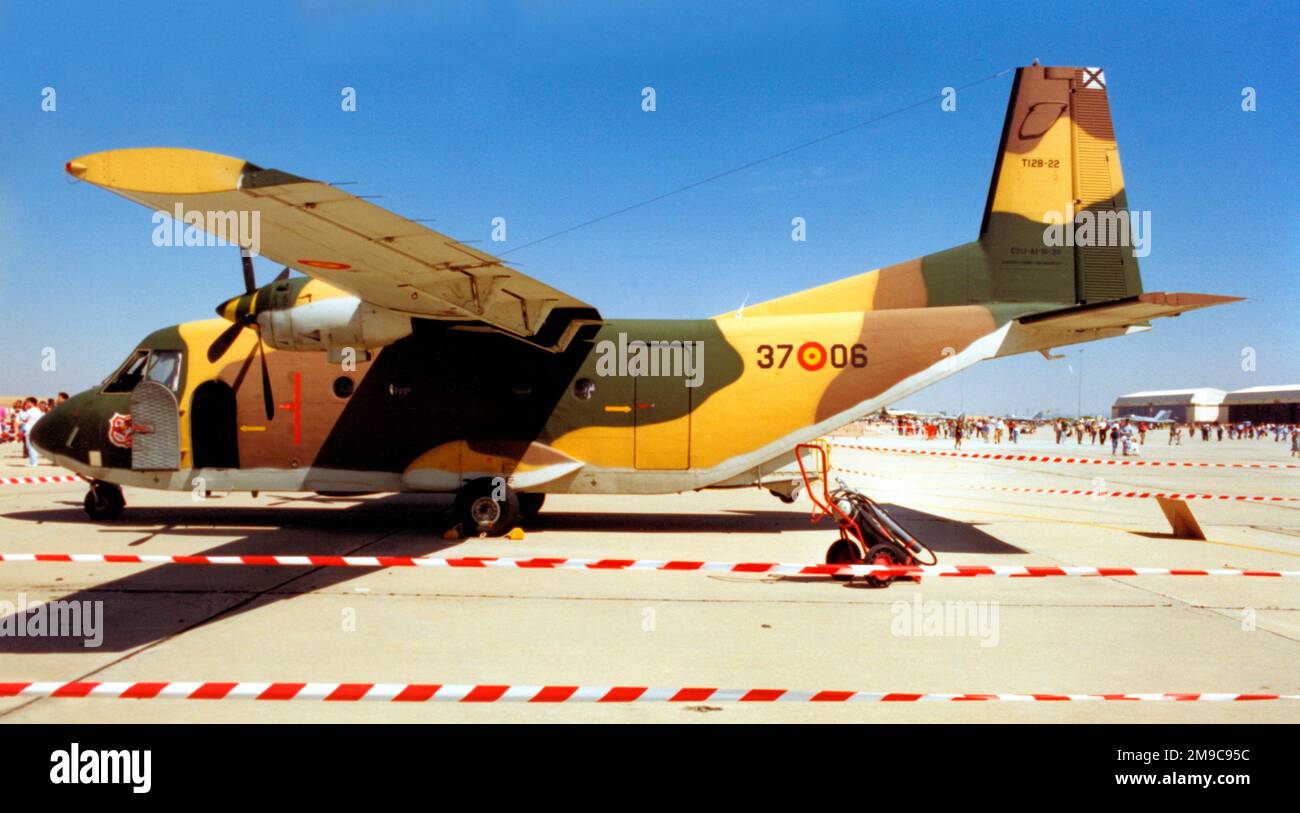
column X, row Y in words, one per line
column 1058, row 162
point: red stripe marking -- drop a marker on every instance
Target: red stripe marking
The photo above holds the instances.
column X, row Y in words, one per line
column 143, row 691
column 752, row 567
column 541, row 562
column 966, row 697
column 212, row 691
column 1049, row 697
column 53, row 557
column 350, row 691
column 893, row 697
column 682, row 565
column 12, row 689
column 1255, row 697
column 691, row 695
column 762, row 695
column 281, row 691
column 74, row 689
column 611, row 564
column 417, row 692
column 484, row 694
column 623, row 694
column 553, row 694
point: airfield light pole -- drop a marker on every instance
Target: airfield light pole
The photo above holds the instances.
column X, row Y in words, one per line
column 1079, row 406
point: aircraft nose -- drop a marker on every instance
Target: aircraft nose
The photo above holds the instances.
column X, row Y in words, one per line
column 52, row 428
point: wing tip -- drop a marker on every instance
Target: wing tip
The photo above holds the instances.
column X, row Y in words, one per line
column 159, row 170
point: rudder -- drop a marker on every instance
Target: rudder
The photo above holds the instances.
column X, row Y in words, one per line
column 1058, row 155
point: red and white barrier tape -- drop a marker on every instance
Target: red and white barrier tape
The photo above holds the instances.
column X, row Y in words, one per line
column 1044, row 458
column 1137, row 495
column 32, row 481
column 1081, row 492
column 547, row 563
column 490, row 693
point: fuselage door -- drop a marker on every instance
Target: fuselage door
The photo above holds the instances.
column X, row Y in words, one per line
column 155, row 428
column 662, row 409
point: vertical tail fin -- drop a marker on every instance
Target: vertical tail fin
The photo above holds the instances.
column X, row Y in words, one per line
column 1058, row 159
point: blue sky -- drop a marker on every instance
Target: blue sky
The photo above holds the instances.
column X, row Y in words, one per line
column 532, row 112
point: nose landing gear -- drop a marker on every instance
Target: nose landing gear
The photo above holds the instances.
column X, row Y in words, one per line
column 104, row 501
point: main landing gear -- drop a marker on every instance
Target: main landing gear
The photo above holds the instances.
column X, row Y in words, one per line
column 104, row 501
column 487, row 506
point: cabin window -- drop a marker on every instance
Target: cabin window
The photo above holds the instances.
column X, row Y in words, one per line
column 584, row 388
column 129, row 374
column 343, row 386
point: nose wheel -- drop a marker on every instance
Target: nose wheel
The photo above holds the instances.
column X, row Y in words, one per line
column 104, row 501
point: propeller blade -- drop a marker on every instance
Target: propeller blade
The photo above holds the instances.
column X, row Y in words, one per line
column 282, row 276
column 268, row 400
column 250, row 282
column 227, row 337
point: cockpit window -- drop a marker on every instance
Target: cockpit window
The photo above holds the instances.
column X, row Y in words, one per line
column 129, row 374
column 165, row 367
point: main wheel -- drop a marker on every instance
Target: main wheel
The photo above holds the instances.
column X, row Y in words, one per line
column 530, row 504
column 104, row 501
column 883, row 554
column 487, row 506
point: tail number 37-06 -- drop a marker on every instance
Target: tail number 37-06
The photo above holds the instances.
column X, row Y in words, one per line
column 812, row 355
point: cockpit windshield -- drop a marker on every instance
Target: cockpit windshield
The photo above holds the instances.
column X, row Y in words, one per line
column 163, row 366
column 129, row 374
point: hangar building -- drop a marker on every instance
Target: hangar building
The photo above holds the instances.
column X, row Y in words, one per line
column 1204, row 404
column 1268, row 404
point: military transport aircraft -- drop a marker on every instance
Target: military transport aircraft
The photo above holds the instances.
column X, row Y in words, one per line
column 408, row 361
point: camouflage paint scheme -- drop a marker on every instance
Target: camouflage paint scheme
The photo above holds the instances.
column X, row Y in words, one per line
column 485, row 382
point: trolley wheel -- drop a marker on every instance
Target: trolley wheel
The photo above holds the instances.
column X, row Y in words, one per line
column 104, row 501
column 842, row 552
column 883, row 554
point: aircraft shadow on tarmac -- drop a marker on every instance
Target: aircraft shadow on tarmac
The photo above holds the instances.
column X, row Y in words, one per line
column 167, row 600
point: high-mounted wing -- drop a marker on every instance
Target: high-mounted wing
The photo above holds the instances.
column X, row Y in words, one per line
column 350, row 243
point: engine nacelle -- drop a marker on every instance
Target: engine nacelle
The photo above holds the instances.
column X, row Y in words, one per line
column 332, row 324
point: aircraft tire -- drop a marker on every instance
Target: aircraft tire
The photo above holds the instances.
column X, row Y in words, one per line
column 104, row 501
column 483, row 509
column 530, row 504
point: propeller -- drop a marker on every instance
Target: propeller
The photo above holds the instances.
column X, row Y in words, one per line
column 227, row 337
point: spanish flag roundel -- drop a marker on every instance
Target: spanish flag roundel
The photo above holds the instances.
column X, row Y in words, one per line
column 812, row 356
